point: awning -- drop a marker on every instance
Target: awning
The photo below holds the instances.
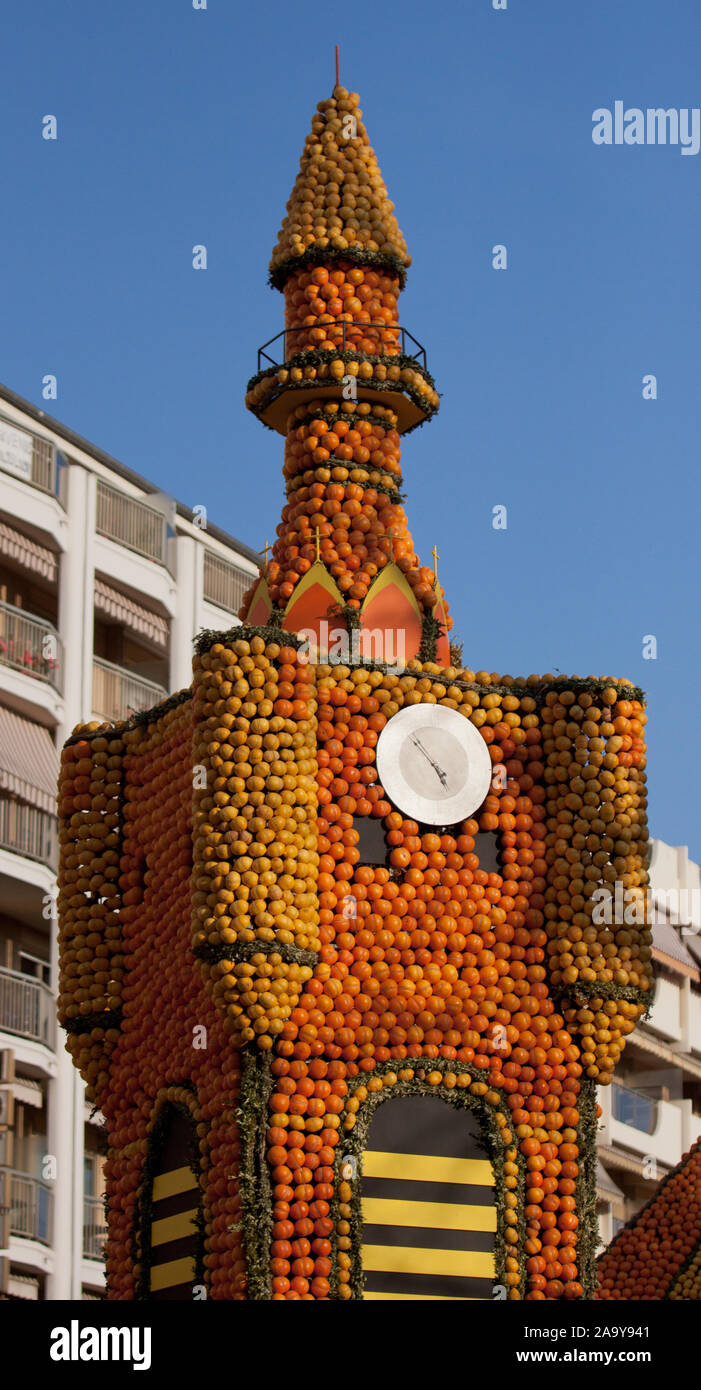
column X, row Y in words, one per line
column 29, row 553
column 28, row 761
column 605, row 1183
column 667, row 942
column 133, row 614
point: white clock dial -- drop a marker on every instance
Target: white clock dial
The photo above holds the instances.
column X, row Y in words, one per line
column 433, row 764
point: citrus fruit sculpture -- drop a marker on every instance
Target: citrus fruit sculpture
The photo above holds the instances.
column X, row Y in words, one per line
column 657, row 1254
column 346, row 1036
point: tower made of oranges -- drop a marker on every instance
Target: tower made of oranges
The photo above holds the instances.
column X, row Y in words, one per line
column 339, row 961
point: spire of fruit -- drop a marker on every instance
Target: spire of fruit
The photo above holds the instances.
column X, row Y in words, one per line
column 342, row 383
column 339, row 201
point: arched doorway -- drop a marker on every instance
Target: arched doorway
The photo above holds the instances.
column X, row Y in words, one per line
column 427, row 1203
column 172, row 1231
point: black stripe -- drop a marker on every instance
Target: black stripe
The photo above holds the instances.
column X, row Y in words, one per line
column 376, row 1281
column 173, row 1206
column 424, row 1125
column 173, row 1250
column 400, row 1190
column 179, row 1293
column 428, row 1238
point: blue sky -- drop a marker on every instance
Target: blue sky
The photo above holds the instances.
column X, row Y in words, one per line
column 179, row 126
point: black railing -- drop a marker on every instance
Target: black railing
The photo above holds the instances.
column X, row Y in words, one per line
column 344, row 335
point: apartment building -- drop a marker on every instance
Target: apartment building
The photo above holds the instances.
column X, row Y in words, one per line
column 104, row 581
column 652, row 1111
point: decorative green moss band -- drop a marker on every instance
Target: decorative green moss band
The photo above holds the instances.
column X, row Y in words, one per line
column 320, row 357
column 328, row 255
column 254, row 1179
column 585, row 1189
column 85, row 1024
column 142, row 717
column 306, row 480
column 573, row 995
column 243, row 950
column 431, row 631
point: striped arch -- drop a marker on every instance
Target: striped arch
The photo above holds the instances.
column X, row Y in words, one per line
column 172, row 1234
column 431, row 1184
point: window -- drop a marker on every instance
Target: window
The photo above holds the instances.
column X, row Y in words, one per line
column 32, row 965
column 372, row 845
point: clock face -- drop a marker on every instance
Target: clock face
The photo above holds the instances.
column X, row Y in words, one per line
column 433, row 764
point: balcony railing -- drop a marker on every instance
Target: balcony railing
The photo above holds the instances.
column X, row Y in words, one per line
column 224, row 584
column 94, row 1228
column 27, row 1008
column 30, row 645
column 345, row 335
column 633, row 1108
column 29, row 457
column 117, row 694
column 131, row 523
column 30, row 1202
column 29, row 831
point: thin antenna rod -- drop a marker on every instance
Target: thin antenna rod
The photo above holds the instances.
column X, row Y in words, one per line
column 338, row 77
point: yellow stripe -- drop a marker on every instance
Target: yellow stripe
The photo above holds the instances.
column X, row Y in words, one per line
column 443, row 1216
column 175, row 1272
column 173, row 1227
column 398, row 1259
column 422, row 1168
column 417, row 1297
column 170, row 1184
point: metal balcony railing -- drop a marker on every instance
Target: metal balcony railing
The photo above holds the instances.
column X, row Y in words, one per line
column 27, row 1008
column 117, row 694
column 41, row 468
column 131, row 523
column 633, row 1108
column 224, row 583
column 30, row 1202
column 29, row 831
column 94, row 1228
column 30, row 645
column 345, row 335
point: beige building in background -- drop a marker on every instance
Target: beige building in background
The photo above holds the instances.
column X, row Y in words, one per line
column 103, row 583
column 652, row 1111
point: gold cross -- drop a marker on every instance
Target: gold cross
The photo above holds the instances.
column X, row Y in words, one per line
column 266, row 548
column 317, row 535
column 436, row 558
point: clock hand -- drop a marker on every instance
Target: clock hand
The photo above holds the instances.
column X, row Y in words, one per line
column 438, row 770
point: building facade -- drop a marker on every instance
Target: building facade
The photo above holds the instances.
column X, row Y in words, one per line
column 651, row 1114
column 103, row 583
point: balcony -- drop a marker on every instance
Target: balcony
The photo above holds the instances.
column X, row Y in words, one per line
column 30, row 1203
column 29, row 457
column 30, row 645
column 117, row 694
column 342, row 335
column 94, row 1228
column 309, row 361
column 28, row 831
column 224, row 584
column 27, row 1008
column 131, row 523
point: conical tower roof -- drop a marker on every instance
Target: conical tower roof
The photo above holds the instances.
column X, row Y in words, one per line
column 339, row 203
